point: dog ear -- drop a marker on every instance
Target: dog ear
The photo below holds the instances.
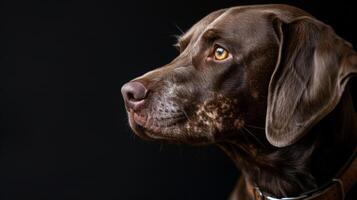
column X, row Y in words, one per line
column 310, row 76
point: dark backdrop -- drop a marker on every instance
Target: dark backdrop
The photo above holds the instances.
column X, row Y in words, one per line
column 63, row 128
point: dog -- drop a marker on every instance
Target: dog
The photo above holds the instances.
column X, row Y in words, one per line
column 269, row 85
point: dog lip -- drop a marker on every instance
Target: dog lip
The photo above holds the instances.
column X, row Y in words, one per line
column 149, row 128
column 140, row 119
column 136, row 127
column 137, row 119
column 134, row 106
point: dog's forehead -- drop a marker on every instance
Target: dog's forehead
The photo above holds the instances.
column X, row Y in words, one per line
column 238, row 17
column 247, row 27
column 230, row 22
column 239, row 21
column 198, row 28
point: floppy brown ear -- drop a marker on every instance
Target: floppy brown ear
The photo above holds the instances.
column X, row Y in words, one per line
column 312, row 71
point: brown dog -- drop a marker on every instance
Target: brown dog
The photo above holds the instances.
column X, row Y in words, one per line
column 268, row 84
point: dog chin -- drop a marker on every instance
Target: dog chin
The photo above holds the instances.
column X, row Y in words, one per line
column 174, row 134
column 140, row 126
column 137, row 129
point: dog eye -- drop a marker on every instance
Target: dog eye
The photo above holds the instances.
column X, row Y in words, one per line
column 220, row 53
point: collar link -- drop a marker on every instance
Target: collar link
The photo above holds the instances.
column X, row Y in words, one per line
column 259, row 195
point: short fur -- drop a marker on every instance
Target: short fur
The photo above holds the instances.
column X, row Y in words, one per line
column 279, row 106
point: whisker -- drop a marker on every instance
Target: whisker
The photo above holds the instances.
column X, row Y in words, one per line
column 255, row 137
column 133, row 137
column 166, row 123
column 178, row 28
column 161, row 147
column 256, row 127
column 185, row 114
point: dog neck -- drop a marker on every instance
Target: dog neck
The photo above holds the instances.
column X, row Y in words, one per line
column 301, row 167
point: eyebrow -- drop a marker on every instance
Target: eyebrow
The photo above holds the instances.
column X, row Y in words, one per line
column 183, row 41
column 208, row 35
column 211, row 34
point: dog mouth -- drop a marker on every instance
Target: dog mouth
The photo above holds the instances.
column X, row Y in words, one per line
column 199, row 123
column 152, row 127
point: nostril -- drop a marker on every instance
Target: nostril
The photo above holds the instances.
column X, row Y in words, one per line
column 134, row 91
column 130, row 96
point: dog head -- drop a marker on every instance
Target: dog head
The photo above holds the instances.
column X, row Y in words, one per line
column 273, row 66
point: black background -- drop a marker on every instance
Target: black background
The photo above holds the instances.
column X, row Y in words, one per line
column 63, row 128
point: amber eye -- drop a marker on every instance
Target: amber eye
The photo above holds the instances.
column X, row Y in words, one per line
column 220, row 53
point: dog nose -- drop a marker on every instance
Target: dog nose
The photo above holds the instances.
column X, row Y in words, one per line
column 134, row 94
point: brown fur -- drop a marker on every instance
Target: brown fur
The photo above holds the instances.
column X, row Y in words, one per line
column 279, row 106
